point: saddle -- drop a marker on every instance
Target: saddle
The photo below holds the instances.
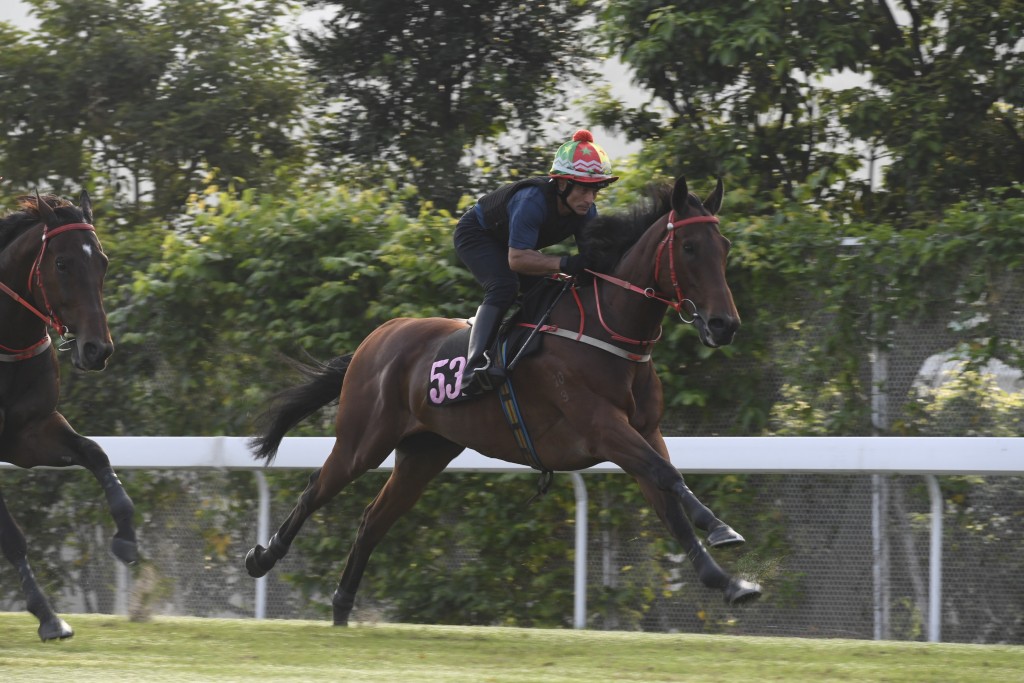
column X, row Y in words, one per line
column 516, row 339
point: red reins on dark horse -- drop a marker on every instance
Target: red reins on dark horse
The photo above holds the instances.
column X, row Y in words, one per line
column 676, row 304
column 49, row 318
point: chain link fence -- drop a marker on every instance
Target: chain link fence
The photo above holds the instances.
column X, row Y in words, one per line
column 824, row 581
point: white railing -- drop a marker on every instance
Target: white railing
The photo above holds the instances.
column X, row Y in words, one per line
column 927, row 456
column 777, row 455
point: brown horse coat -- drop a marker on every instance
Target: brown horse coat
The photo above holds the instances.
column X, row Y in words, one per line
column 582, row 404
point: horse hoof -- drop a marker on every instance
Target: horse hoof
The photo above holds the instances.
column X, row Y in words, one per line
column 55, row 629
column 740, row 592
column 252, row 562
column 724, row 536
column 126, row 551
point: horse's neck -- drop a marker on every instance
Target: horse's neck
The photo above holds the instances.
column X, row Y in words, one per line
column 609, row 308
column 20, row 326
column 637, row 267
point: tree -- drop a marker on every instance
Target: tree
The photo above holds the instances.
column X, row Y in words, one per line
column 413, row 86
column 733, row 87
column 248, row 277
column 742, row 85
column 149, row 98
column 946, row 102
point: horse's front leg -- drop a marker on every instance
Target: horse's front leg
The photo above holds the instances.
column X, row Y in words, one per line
column 662, row 485
column 14, row 548
column 54, row 443
column 122, row 509
column 719, row 534
column 736, row 590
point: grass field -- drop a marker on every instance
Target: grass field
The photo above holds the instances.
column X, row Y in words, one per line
column 109, row 649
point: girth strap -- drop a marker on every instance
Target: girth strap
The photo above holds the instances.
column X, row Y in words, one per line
column 514, row 418
column 592, row 341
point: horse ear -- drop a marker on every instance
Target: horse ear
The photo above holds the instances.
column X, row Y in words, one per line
column 680, row 194
column 713, row 203
column 86, row 205
column 46, row 213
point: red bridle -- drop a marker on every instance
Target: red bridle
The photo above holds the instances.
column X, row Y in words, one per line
column 678, row 303
column 50, row 317
column 673, row 225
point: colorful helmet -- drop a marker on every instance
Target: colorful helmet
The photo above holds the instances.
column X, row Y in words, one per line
column 582, row 161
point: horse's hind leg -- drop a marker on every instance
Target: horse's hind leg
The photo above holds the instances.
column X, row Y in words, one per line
column 341, row 468
column 417, row 462
column 260, row 560
column 13, row 546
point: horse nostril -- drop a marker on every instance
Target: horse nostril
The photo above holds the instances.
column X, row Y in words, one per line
column 96, row 353
column 723, row 327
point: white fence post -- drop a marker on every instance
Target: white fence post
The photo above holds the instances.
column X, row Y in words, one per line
column 579, row 619
column 935, row 562
column 263, row 538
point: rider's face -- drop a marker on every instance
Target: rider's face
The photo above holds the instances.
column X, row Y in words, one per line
column 582, row 197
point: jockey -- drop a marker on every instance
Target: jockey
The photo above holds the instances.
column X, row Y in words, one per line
column 499, row 239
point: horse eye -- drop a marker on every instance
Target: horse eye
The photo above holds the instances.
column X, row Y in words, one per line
column 689, row 248
column 61, row 264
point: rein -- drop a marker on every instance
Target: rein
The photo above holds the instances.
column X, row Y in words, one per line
column 49, row 318
column 677, row 304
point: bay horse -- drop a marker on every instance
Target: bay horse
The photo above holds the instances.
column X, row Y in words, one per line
column 51, row 276
column 591, row 395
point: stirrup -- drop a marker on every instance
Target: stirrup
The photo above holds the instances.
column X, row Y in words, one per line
column 482, row 378
column 485, row 378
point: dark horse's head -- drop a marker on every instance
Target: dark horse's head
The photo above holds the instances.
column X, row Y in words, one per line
column 672, row 245
column 65, row 282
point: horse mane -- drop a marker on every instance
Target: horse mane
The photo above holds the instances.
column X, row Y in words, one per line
column 607, row 238
column 14, row 224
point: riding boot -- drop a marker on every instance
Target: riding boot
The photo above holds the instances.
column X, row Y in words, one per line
column 480, row 369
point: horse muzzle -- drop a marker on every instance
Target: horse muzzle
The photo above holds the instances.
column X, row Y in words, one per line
column 88, row 354
column 716, row 330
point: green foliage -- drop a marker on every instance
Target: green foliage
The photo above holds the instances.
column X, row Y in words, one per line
column 141, row 98
column 735, row 87
column 253, row 276
column 763, row 91
column 970, row 403
column 414, row 87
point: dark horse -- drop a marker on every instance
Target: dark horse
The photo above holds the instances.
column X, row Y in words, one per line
column 51, row 275
column 590, row 396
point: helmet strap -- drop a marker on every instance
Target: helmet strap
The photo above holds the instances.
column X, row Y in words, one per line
column 564, row 194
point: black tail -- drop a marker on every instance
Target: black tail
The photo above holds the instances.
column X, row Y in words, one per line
column 291, row 406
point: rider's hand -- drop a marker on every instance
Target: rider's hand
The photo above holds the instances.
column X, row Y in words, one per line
column 573, row 265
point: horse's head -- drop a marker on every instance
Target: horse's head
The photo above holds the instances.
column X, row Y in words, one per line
column 691, row 264
column 67, row 280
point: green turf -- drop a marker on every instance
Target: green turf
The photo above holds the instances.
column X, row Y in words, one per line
column 109, row 649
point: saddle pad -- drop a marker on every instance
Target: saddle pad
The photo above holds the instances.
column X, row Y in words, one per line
column 448, row 371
